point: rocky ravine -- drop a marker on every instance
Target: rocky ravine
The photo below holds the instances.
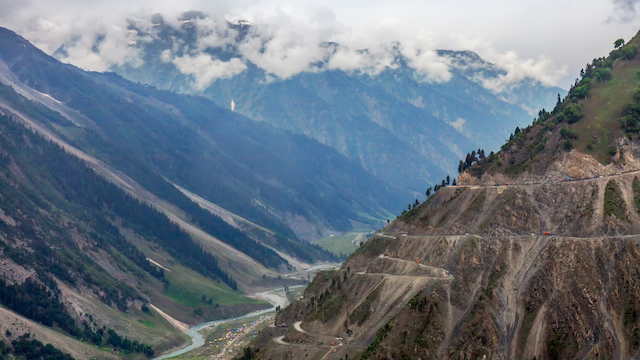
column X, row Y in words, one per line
column 506, row 298
column 426, row 290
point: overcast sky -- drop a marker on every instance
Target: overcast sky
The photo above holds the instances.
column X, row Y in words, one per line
column 547, row 39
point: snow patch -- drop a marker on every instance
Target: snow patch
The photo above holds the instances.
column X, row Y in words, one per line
column 47, row 95
column 157, row 264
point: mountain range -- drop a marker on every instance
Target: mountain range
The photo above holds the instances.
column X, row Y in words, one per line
column 132, row 210
column 397, row 123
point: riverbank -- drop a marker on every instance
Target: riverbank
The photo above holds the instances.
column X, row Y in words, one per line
column 197, row 339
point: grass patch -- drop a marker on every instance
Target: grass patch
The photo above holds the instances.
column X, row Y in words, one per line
column 342, row 244
column 600, row 125
column 361, row 314
column 380, row 336
column 187, row 288
column 636, row 192
column 146, row 323
column 556, row 346
column 613, row 202
column 443, row 220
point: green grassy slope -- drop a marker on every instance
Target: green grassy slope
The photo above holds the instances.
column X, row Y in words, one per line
column 601, row 107
column 340, row 244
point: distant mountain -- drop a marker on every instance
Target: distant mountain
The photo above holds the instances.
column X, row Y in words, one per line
column 274, row 178
column 398, row 125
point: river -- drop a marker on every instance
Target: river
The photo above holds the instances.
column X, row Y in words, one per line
column 197, row 339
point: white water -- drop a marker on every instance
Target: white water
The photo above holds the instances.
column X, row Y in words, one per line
column 197, row 339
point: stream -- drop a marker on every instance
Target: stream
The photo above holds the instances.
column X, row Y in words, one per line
column 197, row 339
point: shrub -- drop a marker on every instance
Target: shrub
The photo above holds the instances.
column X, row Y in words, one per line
column 567, row 133
column 628, row 121
column 603, row 74
column 581, row 92
column 628, row 52
column 573, row 113
column 567, row 145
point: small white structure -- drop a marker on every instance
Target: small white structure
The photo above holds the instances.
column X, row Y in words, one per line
column 233, row 105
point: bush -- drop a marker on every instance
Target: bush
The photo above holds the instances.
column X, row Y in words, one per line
column 628, row 121
column 628, row 52
column 567, row 145
column 581, row 92
column 567, row 133
column 573, row 113
column 612, row 150
column 603, row 74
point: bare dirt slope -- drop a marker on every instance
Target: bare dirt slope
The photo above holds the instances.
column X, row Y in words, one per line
column 470, row 275
column 576, row 208
column 505, row 298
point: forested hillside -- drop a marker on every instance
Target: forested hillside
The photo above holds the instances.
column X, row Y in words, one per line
column 598, row 117
column 274, row 178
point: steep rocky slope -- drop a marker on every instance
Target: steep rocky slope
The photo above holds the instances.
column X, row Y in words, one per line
column 535, row 254
column 501, row 293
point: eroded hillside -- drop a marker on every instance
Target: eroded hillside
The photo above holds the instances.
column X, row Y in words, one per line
column 473, row 297
column 532, row 254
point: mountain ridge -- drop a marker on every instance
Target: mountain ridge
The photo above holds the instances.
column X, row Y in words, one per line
column 418, row 126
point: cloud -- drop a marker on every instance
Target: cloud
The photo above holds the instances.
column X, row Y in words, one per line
column 291, row 37
column 371, row 61
column 624, row 11
column 514, row 68
column 204, row 68
column 428, row 63
column 542, row 70
column 284, row 42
